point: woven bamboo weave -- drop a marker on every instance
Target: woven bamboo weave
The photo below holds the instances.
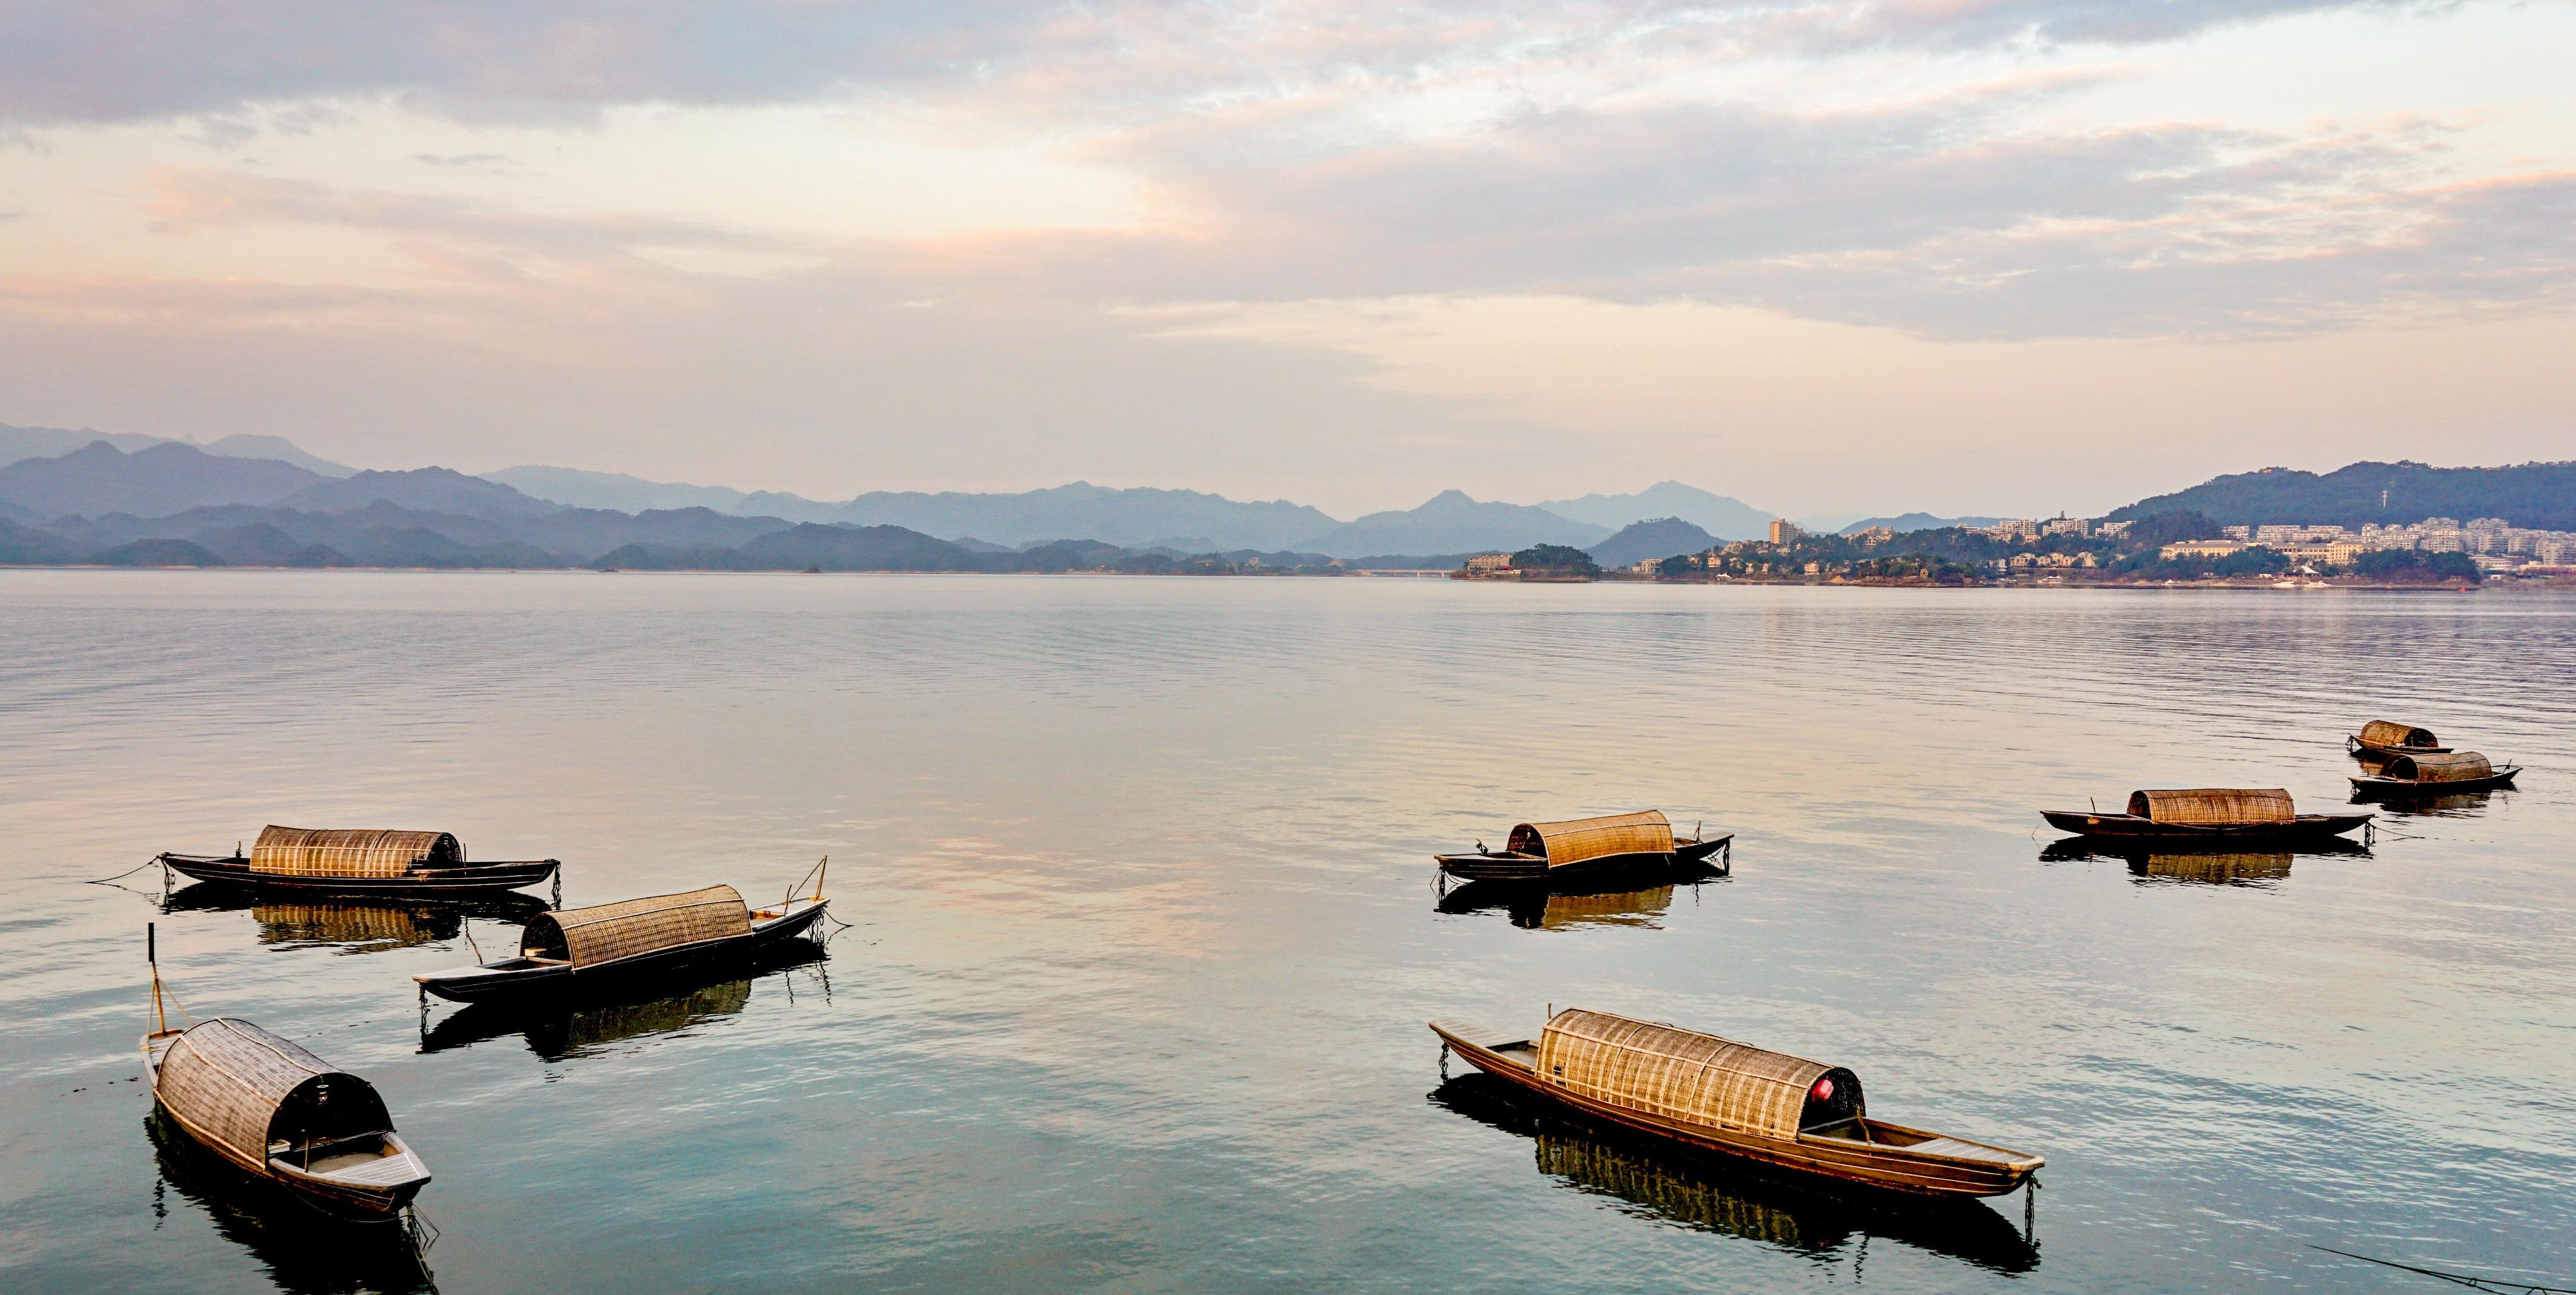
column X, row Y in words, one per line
column 2391, row 735
column 608, row 932
column 349, row 852
column 1579, row 839
column 2214, row 806
column 225, row 1080
column 1680, row 1074
column 2459, row 766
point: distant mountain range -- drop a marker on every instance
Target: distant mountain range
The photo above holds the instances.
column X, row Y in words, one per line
column 154, row 501
column 1720, row 516
column 2538, row 495
column 1905, row 522
column 18, row 443
column 1663, row 538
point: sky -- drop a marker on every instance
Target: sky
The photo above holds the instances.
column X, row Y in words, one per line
column 2010, row 257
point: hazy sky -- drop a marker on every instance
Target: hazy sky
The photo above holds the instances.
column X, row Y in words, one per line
column 2008, row 256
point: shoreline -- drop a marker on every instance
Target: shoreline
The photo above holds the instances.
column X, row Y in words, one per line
column 2158, row 586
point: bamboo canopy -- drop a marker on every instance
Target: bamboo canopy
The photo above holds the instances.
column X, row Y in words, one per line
column 2457, row 766
column 240, row 1088
column 350, row 852
column 2390, row 735
column 1578, row 839
column 601, row 933
column 2214, row 806
column 1690, row 1077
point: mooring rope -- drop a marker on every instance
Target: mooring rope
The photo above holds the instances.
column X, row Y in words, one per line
column 148, row 863
column 2473, row 1282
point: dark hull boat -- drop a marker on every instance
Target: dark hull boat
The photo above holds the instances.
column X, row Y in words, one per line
column 1714, row 1095
column 2434, row 774
column 282, row 1114
column 361, row 863
column 2207, row 814
column 653, row 939
column 2385, row 738
column 1619, row 843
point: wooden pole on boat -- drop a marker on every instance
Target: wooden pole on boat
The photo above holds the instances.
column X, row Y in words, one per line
column 152, row 955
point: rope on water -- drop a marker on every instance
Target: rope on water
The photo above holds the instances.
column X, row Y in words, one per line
column 153, row 862
column 2464, row 1279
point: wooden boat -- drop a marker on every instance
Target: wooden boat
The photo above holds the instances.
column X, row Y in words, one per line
column 1718, row 1095
column 2435, row 773
column 1799, row 1213
column 585, row 949
column 2387, row 737
column 2207, row 814
column 281, row 1114
column 1536, row 851
column 360, row 862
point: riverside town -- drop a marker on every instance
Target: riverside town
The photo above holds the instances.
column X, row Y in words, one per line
column 2166, row 549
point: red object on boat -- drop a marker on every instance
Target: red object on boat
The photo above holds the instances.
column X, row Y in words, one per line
column 1824, row 1089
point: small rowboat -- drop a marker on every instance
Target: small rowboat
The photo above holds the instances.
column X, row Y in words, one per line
column 1536, row 851
column 576, row 950
column 2207, row 814
column 282, row 1114
column 361, row 862
column 2431, row 773
column 2386, row 737
column 1718, row 1095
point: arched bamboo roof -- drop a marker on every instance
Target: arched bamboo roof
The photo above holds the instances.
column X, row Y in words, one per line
column 2214, row 806
column 1691, row 1077
column 350, row 852
column 2391, row 735
column 238, row 1087
column 2455, row 766
column 1578, row 839
column 607, row 932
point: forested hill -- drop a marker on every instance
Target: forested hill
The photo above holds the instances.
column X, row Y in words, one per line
column 2538, row 495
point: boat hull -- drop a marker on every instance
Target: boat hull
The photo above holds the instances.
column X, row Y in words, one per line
column 427, row 883
column 509, row 984
column 2128, row 827
column 2395, row 788
column 1490, row 866
column 353, row 1202
column 1887, row 1168
column 2358, row 747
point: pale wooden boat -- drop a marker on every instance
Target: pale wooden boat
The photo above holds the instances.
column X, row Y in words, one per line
column 1721, row 1096
column 283, row 1114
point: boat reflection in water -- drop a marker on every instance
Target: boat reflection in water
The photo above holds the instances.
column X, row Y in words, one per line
column 560, row 1028
column 1730, row 1199
column 353, row 926
column 305, row 1251
column 1630, row 897
column 2216, row 867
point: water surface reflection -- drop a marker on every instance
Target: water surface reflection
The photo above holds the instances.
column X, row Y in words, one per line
column 562, row 1028
column 352, row 926
column 1631, row 897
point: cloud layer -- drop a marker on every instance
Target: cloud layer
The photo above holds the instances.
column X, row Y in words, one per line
column 1114, row 207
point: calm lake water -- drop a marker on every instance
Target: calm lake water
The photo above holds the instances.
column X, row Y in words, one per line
column 1143, row 932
